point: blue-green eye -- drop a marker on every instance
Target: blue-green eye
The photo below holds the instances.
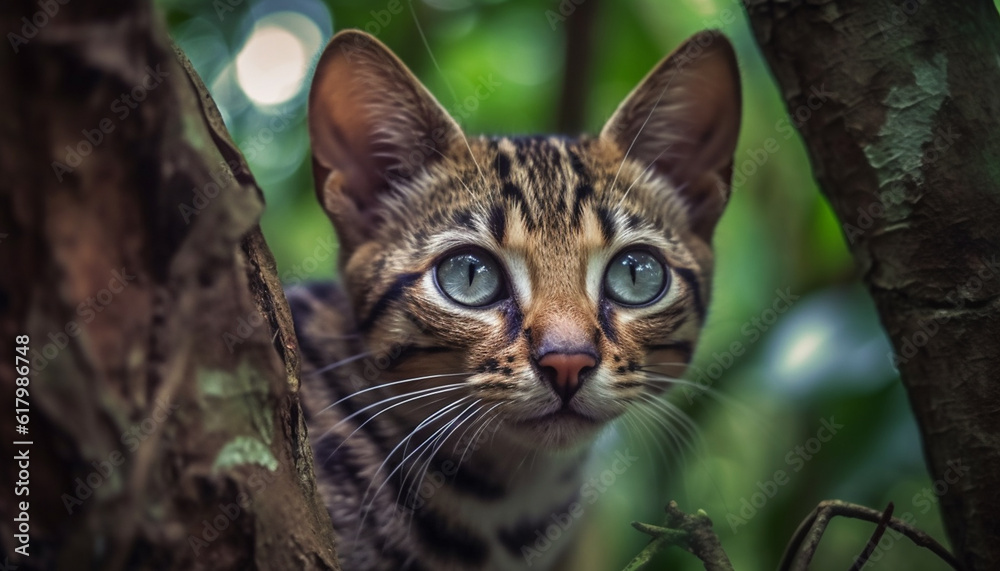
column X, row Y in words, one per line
column 635, row 277
column 470, row 278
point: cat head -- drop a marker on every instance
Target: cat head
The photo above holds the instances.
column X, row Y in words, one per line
column 549, row 281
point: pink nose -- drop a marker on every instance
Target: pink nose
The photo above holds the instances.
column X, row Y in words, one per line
column 565, row 371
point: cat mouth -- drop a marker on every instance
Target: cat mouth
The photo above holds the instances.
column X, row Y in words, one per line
column 564, row 414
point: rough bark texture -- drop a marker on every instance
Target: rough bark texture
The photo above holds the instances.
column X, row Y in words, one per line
column 897, row 104
column 164, row 413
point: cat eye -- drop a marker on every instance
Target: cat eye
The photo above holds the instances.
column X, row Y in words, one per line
column 471, row 278
column 635, row 277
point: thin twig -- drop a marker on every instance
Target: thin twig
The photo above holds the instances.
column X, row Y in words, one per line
column 662, row 539
column 875, row 538
column 693, row 533
column 803, row 543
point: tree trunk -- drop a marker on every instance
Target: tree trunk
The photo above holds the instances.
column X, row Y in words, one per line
column 163, row 420
column 897, row 104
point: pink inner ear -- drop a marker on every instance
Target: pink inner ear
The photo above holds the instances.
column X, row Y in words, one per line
column 683, row 120
column 367, row 114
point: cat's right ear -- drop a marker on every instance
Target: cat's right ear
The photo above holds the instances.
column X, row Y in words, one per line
column 373, row 126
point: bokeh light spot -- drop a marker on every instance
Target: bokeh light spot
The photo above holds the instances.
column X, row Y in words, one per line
column 273, row 64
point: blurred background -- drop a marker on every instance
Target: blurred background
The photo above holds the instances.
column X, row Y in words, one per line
column 797, row 399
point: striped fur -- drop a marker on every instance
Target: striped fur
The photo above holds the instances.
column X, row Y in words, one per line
column 429, row 419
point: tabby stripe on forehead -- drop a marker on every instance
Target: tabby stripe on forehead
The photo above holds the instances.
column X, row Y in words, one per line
column 394, row 292
column 577, row 164
column 498, row 223
column 691, row 279
column 583, row 192
column 513, row 192
column 503, row 166
column 607, row 223
column 464, row 218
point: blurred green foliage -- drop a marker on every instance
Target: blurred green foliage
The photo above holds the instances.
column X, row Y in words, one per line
column 824, row 357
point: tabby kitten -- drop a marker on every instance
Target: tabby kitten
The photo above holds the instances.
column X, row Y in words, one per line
column 503, row 300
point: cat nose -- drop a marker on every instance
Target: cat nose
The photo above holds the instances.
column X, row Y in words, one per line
column 566, row 371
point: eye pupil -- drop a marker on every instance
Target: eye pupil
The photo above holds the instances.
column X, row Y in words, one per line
column 471, row 278
column 635, row 278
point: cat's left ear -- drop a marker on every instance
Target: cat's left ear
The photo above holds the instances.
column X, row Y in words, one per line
column 683, row 121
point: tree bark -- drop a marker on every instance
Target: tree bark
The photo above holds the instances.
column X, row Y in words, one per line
column 164, row 420
column 897, row 105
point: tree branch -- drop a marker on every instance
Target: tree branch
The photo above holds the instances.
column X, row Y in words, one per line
column 805, row 540
column 164, row 372
column 895, row 104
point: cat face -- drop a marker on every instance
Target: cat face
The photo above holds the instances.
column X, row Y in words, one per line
column 549, row 282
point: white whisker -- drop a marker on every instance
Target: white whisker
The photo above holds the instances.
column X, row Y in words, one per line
column 643, row 126
column 425, row 422
column 454, row 96
column 486, row 419
column 383, row 385
column 339, row 363
column 433, row 391
column 440, row 441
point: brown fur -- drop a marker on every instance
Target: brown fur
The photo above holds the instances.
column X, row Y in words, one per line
column 404, row 187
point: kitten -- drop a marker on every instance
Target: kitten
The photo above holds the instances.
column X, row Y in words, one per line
column 503, row 299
